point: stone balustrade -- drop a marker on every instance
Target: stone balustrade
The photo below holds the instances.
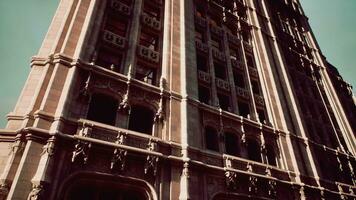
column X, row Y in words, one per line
column 120, row 7
column 241, row 92
column 148, row 54
column 151, row 22
column 201, row 46
column 204, row 76
column 218, row 54
column 222, row 84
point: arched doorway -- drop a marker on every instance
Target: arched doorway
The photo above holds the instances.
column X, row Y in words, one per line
column 90, row 186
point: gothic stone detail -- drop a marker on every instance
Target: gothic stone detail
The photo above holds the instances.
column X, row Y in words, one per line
column 118, row 160
column 231, row 180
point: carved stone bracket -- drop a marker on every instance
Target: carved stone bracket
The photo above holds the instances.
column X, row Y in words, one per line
column 231, row 180
column 4, row 190
column 118, row 160
column 272, row 184
column 85, row 90
column 252, row 184
column 36, row 192
column 151, row 160
column 81, row 151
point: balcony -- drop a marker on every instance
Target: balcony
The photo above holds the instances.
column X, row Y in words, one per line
column 241, row 92
column 113, row 39
column 237, row 64
column 253, row 72
column 120, row 7
column 216, row 30
column 148, row 54
column 201, row 46
column 218, row 54
column 222, row 84
column 151, row 22
column 233, row 39
column 200, row 21
column 259, row 99
column 204, row 77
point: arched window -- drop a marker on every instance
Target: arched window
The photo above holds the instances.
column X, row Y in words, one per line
column 271, row 155
column 254, row 150
column 211, row 139
column 231, row 144
column 141, row 119
column 102, row 109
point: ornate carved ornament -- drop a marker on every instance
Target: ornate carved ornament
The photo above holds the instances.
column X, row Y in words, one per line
column 36, row 192
column 151, row 160
column 231, row 180
column 252, row 184
column 118, row 160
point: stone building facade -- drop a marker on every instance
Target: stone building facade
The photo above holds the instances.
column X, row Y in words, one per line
column 180, row 99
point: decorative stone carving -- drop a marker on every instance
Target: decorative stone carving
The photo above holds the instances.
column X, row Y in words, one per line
column 231, row 180
column 216, row 30
column 114, row 39
column 151, row 22
column 201, row 46
column 85, row 90
column 118, row 160
column 48, row 148
column 82, row 148
column 218, row 54
column 253, row 72
column 36, row 192
column 222, row 84
column 120, row 7
column 272, row 184
column 200, row 21
column 233, row 39
column 151, row 160
column 237, row 63
column 148, row 54
column 241, row 92
column 203, row 76
column 252, row 185
column 4, row 190
column 259, row 99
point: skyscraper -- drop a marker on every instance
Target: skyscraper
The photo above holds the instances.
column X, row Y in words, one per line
column 180, row 99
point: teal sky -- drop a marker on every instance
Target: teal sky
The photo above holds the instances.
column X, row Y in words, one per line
column 24, row 24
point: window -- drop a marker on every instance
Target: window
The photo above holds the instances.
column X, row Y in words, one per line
column 204, row 94
column 261, row 115
column 152, row 11
column 254, row 150
column 231, row 144
column 211, row 139
column 243, row 109
column 148, row 40
column 116, row 25
column 102, row 108
column 234, row 54
column 220, row 70
column 141, row 119
column 202, row 63
column 239, row 79
column 109, row 60
column 255, row 87
column 224, row 102
column 250, row 62
column 146, row 74
column 271, row 156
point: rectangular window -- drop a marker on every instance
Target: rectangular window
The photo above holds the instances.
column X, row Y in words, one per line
column 244, row 109
column 239, row 79
column 116, row 25
column 109, row 60
column 152, row 11
column 249, row 60
column 200, row 36
column 204, row 94
column 224, row 102
column 255, row 87
column 146, row 74
column 220, row 71
column 202, row 63
column 149, row 40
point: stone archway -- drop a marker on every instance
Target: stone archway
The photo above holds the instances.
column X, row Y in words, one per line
column 92, row 186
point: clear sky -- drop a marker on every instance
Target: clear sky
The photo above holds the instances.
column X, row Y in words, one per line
column 24, row 24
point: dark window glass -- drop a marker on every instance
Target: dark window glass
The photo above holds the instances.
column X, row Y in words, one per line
column 254, row 151
column 102, row 108
column 146, row 74
column 220, row 71
column 204, row 95
column 141, row 119
column 211, row 139
column 244, row 109
column 255, row 87
column 149, row 40
column 261, row 115
column 239, row 79
column 231, row 144
column 109, row 60
column 224, row 102
column 271, row 156
column 202, row 63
